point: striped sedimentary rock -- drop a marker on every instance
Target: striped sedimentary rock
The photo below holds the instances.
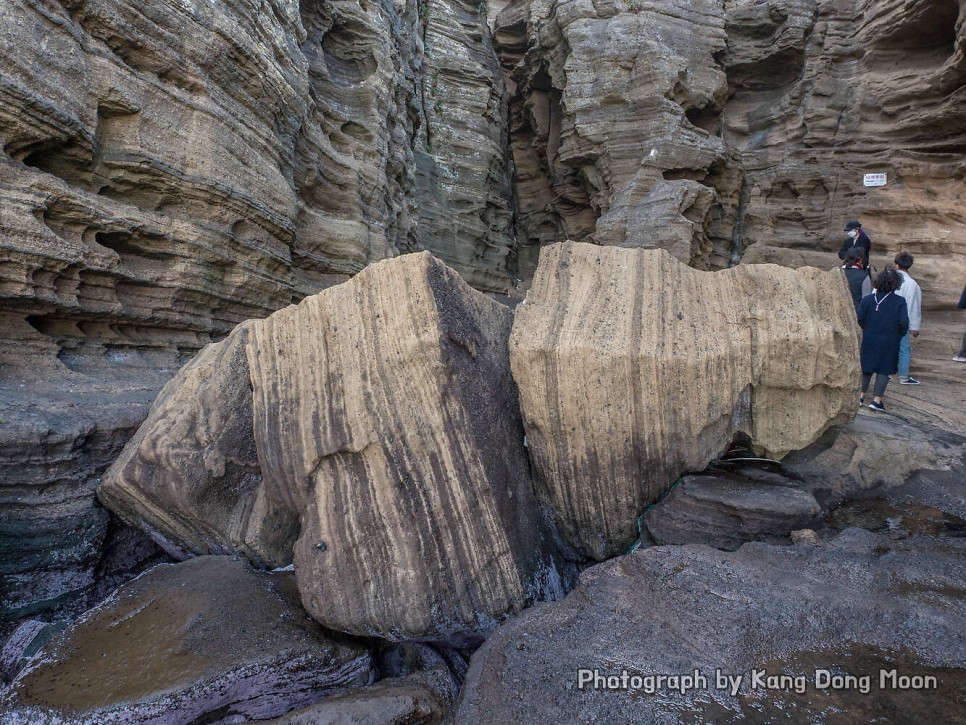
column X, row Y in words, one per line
column 634, row 368
column 385, row 409
column 388, row 441
column 190, row 476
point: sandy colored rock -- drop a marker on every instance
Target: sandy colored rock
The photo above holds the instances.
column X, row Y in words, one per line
column 385, row 409
column 191, row 477
column 634, row 368
column 389, row 441
column 186, row 642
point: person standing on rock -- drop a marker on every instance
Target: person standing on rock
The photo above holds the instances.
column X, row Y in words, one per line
column 911, row 293
column 856, row 275
column 884, row 320
column 961, row 357
column 857, row 238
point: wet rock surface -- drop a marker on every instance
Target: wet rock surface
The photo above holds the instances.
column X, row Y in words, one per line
column 205, row 639
column 856, row 605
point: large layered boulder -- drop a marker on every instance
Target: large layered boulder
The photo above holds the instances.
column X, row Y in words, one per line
column 167, row 172
column 634, row 368
column 377, row 427
column 196, row 641
column 190, row 476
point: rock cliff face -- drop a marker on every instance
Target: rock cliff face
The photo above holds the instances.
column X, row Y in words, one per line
column 823, row 92
column 169, row 171
column 634, row 368
column 376, row 427
column 609, row 124
column 740, row 130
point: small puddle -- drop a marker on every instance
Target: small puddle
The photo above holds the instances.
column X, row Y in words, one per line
column 857, row 684
column 882, row 516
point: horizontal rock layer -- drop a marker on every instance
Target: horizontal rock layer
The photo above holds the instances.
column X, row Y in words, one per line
column 728, row 512
column 168, row 172
column 634, row 368
column 377, row 427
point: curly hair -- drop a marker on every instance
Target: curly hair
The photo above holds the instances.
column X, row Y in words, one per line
column 888, row 280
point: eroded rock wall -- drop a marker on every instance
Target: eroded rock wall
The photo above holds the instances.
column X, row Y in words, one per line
column 823, row 92
column 612, row 126
column 740, row 130
column 170, row 170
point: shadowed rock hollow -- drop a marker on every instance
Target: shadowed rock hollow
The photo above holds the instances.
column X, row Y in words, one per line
column 634, row 368
column 376, row 427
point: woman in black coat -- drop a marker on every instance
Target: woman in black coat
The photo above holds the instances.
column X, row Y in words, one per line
column 961, row 357
column 856, row 275
column 884, row 319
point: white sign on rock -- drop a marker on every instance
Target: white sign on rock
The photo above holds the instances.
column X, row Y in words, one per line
column 875, row 180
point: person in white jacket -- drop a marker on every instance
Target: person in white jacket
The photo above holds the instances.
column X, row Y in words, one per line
column 913, row 296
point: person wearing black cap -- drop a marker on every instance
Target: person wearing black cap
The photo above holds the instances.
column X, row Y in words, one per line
column 857, row 238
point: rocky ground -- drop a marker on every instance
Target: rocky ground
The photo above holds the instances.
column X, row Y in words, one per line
column 846, row 559
column 872, row 586
column 168, row 170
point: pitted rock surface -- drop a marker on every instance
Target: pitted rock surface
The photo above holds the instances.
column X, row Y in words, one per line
column 634, row 368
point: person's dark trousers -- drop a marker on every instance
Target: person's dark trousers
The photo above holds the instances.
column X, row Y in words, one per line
column 881, row 381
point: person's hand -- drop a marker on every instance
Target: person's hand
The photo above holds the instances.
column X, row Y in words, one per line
column 914, row 333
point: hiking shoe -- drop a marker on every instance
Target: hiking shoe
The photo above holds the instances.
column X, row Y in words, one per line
column 909, row 381
column 877, row 406
column 959, row 358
